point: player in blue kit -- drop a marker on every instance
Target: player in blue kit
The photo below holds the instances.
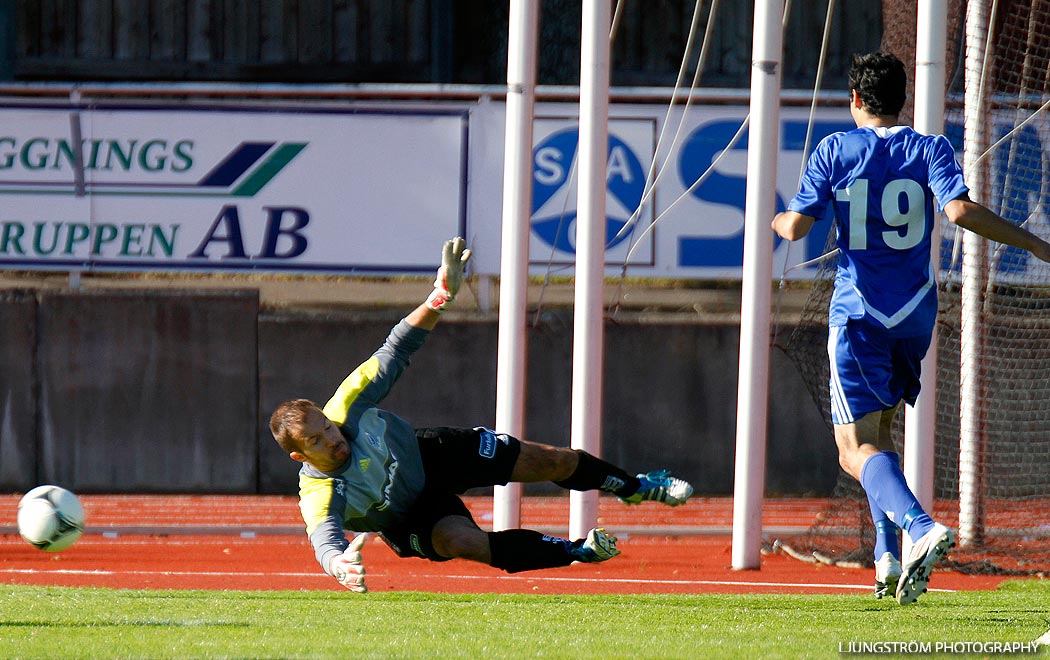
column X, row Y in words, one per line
column 883, row 180
column 367, row 470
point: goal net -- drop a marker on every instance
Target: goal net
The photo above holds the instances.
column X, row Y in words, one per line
column 992, row 480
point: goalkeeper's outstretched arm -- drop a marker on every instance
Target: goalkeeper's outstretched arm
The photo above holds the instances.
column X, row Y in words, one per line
column 454, row 258
column 348, row 568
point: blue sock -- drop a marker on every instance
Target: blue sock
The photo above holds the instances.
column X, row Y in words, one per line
column 885, row 532
column 883, row 481
column 886, row 539
column 917, row 522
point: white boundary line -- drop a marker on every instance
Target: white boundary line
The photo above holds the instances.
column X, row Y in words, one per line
column 73, row 571
column 248, row 531
column 709, row 583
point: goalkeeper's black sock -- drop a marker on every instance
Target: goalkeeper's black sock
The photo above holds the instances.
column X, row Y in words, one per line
column 516, row 550
column 592, row 473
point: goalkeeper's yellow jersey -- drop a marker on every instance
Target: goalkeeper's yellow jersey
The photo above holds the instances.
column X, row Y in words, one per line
column 384, row 475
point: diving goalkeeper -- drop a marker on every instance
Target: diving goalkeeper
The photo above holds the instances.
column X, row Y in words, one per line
column 367, row 470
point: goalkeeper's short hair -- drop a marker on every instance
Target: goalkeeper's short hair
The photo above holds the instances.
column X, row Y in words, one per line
column 287, row 423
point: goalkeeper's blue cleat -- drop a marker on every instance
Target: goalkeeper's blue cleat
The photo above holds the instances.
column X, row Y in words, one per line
column 887, row 575
column 598, row 546
column 660, row 486
column 923, row 554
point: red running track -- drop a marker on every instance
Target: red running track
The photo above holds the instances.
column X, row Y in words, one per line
column 258, row 542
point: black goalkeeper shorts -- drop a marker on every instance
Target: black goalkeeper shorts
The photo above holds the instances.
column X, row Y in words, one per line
column 454, row 460
column 457, row 459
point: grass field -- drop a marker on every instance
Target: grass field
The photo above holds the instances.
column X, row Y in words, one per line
column 58, row 622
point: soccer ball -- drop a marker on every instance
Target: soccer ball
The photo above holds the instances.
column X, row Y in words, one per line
column 51, row 518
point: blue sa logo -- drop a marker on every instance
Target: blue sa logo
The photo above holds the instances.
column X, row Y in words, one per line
column 554, row 191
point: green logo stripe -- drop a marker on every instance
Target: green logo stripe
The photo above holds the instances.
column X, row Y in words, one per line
column 269, row 169
column 252, row 184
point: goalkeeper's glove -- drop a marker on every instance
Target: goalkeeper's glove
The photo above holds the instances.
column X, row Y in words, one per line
column 454, row 258
column 347, row 567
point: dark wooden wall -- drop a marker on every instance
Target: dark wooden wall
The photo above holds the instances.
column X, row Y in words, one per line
column 277, row 40
column 140, row 391
column 417, row 41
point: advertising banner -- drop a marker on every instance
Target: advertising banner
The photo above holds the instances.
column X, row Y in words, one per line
column 675, row 189
column 359, row 189
column 277, row 189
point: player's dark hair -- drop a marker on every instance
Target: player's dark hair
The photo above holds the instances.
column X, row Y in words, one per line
column 287, row 422
column 881, row 81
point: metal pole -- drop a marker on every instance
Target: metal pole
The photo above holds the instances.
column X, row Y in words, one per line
column 76, row 136
column 920, row 422
column 587, row 364
column 760, row 205
column 974, row 263
column 514, row 255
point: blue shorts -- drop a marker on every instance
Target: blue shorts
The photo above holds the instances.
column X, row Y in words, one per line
column 871, row 370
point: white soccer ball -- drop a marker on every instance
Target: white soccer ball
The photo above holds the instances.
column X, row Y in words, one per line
column 50, row 517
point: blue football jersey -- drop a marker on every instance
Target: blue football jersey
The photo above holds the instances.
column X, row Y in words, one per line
column 883, row 183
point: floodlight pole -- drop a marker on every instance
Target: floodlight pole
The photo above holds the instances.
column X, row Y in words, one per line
column 587, row 353
column 760, row 206
column 514, row 254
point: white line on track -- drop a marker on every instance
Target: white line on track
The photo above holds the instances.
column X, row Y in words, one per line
column 415, row 576
column 69, row 571
column 730, row 583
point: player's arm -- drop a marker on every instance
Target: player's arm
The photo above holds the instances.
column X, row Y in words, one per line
column 339, row 558
column 792, row 225
column 373, row 380
column 977, row 218
column 320, row 503
column 454, row 258
column 348, row 568
column 408, row 335
column 813, row 196
column 423, row 317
